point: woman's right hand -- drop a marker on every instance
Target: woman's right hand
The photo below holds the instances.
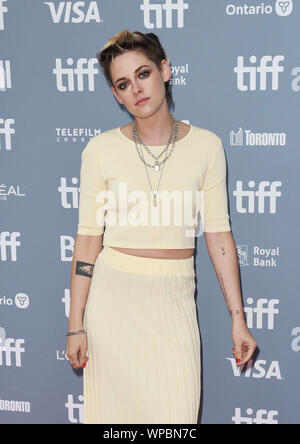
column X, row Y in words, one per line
column 76, row 350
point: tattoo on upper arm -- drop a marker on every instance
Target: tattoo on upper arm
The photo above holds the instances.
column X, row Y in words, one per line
column 223, row 251
column 84, row 269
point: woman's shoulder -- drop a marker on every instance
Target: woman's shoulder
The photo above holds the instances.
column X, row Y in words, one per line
column 206, row 135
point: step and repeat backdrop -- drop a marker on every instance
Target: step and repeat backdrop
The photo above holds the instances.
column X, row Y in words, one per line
column 235, row 71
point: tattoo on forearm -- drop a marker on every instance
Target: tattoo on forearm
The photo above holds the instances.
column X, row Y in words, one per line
column 224, row 292
column 84, row 269
column 223, row 251
column 237, row 312
column 82, row 313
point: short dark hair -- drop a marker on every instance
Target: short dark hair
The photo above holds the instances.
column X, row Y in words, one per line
column 125, row 41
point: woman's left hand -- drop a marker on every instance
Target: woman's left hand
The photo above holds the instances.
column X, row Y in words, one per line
column 244, row 343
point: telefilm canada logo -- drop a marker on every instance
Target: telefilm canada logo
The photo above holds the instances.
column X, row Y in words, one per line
column 76, row 135
column 283, row 8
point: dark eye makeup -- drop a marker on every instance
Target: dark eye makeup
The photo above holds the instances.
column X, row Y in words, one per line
column 142, row 73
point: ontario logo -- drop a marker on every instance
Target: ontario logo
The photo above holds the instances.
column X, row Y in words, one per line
column 283, row 8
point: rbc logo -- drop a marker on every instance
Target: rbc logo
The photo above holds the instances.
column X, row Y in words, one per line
column 169, row 7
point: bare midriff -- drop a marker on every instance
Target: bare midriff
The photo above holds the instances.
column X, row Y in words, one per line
column 181, row 253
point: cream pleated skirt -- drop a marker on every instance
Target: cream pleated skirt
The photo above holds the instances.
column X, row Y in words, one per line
column 143, row 341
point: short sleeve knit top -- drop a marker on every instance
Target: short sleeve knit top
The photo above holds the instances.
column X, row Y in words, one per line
column 116, row 198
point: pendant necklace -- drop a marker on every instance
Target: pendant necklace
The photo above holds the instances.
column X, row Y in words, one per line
column 157, row 165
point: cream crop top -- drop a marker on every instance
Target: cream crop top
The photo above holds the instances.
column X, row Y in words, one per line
column 116, row 198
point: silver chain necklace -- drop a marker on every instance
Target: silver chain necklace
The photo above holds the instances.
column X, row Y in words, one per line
column 156, row 166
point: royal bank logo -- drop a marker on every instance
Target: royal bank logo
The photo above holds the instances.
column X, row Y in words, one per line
column 179, row 75
column 250, row 138
column 74, row 12
column 163, row 13
column 283, row 8
column 3, row 9
column 242, row 253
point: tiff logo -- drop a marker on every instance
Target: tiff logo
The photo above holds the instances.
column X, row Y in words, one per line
column 66, row 300
column 169, row 7
column 9, row 350
column 5, row 76
column 78, row 73
column 262, row 194
column 74, row 12
column 8, row 241
column 3, row 9
column 72, row 407
column 261, row 417
column 264, row 309
column 261, row 71
column 6, row 130
column 65, row 190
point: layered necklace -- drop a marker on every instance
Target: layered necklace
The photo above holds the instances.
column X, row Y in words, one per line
column 158, row 165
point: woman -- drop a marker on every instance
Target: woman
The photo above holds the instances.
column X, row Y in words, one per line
column 133, row 324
